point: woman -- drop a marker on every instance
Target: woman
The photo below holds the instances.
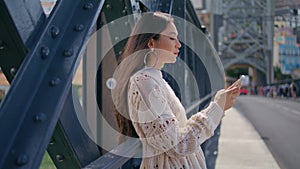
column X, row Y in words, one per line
column 147, row 107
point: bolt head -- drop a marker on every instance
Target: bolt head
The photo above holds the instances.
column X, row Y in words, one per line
column 55, row 82
column 39, row 117
column 79, row 27
column 22, row 159
column 54, row 31
column 45, row 51
column 68, row 52
column 88, row 6
column 2, row 45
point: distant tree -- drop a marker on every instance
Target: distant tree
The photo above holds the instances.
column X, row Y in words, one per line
column 236, row 72
column 278, row 74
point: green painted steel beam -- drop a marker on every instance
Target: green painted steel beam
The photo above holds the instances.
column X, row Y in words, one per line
column 12, row 53
column 115, row 9
column 61, row 151
column 12, row 48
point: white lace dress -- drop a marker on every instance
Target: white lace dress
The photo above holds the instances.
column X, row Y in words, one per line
column 169, row 139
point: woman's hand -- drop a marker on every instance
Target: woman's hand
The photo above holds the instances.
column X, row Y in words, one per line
column 225, row 98
column 232, row 91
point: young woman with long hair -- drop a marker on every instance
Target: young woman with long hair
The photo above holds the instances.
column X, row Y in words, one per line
column 146, row 106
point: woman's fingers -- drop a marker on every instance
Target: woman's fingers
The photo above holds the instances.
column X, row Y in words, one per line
column 227, row 97
column 235, row 90
column 231, row 93
column 237, row 83
column 232, row 90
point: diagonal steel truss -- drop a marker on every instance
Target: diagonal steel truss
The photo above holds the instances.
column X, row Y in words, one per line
column 246, row 37
column 40, row 92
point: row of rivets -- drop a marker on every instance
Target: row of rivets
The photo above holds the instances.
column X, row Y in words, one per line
column 58, row 157
column 23, row 159
column 12, row 70
column 56, row 81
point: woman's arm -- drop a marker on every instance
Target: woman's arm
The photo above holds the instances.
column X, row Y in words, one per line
column 150, row 111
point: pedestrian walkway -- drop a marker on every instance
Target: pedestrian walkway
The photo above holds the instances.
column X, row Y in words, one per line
column 240, row 146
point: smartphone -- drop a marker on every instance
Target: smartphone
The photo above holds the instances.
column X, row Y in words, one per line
column 242, row 79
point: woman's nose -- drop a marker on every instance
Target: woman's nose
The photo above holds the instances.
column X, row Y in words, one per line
column 178, row 44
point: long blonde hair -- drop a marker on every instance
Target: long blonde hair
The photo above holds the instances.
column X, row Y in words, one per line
column 149, row 26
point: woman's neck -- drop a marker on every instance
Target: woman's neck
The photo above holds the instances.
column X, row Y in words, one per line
column 154, row 62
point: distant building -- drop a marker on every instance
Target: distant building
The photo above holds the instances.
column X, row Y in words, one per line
column 286, row 50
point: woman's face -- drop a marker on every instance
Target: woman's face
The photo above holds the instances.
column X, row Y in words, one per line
column 167, row 46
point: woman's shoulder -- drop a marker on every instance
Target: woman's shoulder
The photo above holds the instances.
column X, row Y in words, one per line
column 146, row 79
column 146, row 74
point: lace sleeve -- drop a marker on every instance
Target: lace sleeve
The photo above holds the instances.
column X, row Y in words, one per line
column 150, row 112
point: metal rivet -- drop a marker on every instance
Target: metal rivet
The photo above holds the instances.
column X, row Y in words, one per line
column 55, row 82
column 60, row 158
column 88, row 6
column 39, row 117
column 68, row 52
column 108, row 6
column 79, row 27
column 124, row 12
column 116, row 38
column 54, row 31
column 22, row 159
column 45, row 51
column 13, row 71
column 2, row 45
column 52, row 141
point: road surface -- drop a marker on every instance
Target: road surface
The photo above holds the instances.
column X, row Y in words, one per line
column 278, row 123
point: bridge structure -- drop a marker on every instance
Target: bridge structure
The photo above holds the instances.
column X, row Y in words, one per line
column 243, row 35
column 41, row 54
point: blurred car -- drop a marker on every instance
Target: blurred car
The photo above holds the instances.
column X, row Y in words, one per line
column 243, row 91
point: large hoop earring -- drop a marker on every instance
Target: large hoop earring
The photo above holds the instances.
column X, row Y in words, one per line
column 147, row 54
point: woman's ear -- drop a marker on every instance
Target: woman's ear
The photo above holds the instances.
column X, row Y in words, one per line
column 151, row 43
